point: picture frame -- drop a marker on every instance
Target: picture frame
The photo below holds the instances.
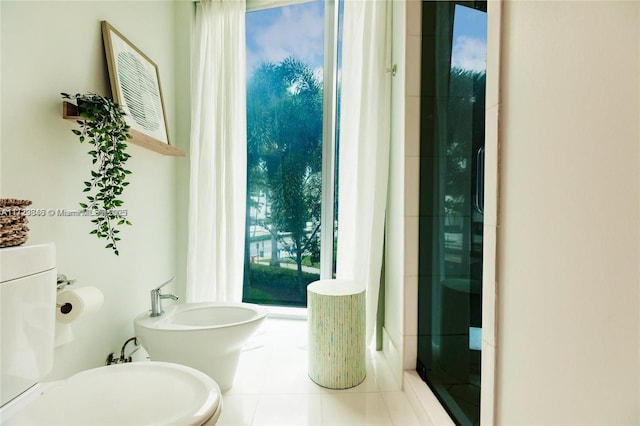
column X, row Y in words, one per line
column 135, row 85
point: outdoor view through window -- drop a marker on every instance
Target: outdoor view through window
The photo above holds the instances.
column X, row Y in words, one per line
column 285, row 57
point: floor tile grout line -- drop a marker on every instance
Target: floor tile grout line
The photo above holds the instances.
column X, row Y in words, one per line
column 274, row 349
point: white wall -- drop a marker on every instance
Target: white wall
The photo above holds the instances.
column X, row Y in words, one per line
column 56, row 46
column 401, row 257
column 568, row 246
column 411, row 178
column 394, row 243
column 184, row 14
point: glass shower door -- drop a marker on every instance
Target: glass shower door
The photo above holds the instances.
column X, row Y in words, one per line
column 451, row 204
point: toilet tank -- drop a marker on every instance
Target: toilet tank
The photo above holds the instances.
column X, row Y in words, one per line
column 27, row 316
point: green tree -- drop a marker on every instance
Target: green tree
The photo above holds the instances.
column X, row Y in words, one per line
column 284, row 141
column 465, row 135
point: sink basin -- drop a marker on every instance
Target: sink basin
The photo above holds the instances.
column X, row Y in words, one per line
column 207, row 336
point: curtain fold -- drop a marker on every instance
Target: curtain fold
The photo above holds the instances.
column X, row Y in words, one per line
column 364, row 146
column 217, row 190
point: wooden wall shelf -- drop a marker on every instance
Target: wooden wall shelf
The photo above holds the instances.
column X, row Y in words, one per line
column 70, row 112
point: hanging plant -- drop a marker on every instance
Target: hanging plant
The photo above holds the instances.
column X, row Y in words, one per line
column 103, row 126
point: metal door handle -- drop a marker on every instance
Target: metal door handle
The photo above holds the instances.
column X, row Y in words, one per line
column 479, row 196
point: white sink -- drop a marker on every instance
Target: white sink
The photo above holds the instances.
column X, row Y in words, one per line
column 206, row 336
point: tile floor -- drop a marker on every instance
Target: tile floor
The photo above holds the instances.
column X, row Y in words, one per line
column 272, row 386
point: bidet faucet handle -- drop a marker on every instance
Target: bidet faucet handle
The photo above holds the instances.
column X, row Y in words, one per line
column 164, row 283
column 169, row 296
column 156, row 297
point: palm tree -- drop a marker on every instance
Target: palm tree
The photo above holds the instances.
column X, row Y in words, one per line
column 284, row 141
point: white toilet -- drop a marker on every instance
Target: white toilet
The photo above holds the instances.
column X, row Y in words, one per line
column 138, row 393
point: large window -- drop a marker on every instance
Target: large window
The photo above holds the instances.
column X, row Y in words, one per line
column 291, row 110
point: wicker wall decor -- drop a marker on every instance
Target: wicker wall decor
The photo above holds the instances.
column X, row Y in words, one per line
column 13, row 222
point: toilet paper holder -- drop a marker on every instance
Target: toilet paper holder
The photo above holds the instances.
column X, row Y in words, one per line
column 62, row 281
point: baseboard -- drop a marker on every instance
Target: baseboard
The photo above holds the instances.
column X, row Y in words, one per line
column 393, row 357
column 424, row 403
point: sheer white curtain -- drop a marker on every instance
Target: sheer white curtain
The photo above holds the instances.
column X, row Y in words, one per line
column 364, row 146
column 218, row 153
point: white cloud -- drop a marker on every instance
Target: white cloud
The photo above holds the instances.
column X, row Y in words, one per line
column 469, row 53
column 298, row 31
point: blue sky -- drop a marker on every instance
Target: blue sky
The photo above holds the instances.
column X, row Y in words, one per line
column 275, row 34
column 469, row 39
column 298, row 30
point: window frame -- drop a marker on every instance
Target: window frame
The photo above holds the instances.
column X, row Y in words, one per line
column 329, row 123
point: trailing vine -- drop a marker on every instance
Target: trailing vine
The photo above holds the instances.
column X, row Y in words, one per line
column 104, row 127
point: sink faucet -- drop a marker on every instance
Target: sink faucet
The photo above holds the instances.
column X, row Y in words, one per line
column 156, row 299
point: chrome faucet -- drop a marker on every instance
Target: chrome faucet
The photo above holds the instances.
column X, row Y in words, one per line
column 156, row 299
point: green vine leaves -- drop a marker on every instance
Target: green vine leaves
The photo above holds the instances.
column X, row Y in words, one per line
column 104, row 127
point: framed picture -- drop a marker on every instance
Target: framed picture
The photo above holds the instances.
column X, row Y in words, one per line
column 135, row 85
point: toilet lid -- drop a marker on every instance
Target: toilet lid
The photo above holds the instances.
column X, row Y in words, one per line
column 139, row 393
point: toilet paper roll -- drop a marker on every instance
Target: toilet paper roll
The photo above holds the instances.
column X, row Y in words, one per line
column 74, row 304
